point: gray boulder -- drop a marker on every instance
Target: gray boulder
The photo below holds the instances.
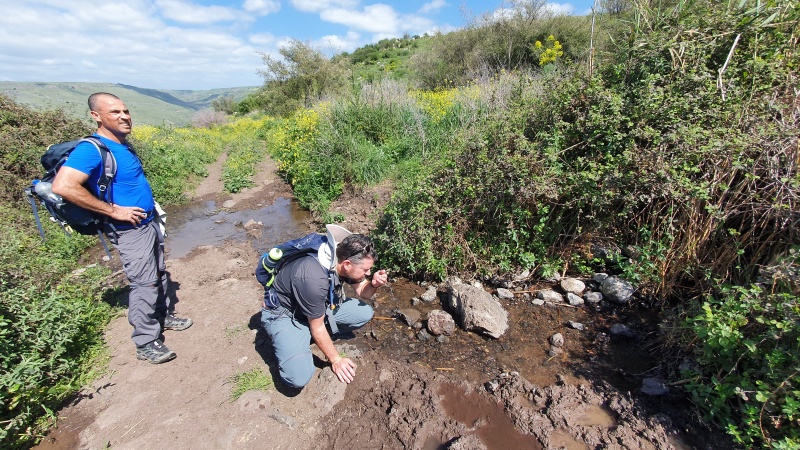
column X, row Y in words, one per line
column 616, row 290
column 477, row 310
column 439, row 322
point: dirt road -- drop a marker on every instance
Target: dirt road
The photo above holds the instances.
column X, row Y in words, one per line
column 396, row 402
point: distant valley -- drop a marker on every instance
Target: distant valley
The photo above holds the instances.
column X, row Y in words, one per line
column 148, row 106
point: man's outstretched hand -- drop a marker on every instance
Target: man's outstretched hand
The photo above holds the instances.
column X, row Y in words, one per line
column 344, row 368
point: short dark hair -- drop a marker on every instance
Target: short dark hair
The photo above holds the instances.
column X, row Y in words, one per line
column 95, row 98
column 355, row 247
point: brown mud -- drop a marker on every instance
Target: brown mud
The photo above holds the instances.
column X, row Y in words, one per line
column 464, row 391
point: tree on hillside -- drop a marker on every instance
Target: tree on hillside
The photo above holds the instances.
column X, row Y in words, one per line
column 300, row 76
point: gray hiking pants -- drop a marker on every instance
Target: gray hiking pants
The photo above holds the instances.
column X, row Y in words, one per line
column 142, row 252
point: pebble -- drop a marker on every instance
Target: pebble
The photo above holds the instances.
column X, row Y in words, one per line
column 574, row 300
column 557, row 340
column 505, row 293
column 577, row 326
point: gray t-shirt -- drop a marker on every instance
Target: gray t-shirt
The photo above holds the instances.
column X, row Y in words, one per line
column 302, row 287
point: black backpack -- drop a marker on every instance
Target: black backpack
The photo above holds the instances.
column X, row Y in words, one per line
column 69, row 216
column 270, row 263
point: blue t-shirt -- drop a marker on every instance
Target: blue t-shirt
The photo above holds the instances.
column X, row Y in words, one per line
column 129, row 187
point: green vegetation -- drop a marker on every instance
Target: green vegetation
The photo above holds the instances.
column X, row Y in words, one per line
column 52, row 316
column 680, row 149
column 676, row 152
column 253, row 380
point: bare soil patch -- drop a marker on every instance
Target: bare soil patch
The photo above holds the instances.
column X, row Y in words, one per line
column 465, row 392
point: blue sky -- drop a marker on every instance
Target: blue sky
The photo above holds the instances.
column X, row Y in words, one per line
column 206, row 44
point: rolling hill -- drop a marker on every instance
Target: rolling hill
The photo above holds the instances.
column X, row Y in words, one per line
column 148, row 106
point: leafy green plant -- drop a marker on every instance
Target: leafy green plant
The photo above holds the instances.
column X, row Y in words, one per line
column 748, row 348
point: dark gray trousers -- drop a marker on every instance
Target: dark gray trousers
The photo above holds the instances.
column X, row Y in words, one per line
column 142, row 252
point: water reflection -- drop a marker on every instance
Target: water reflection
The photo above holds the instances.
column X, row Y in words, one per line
column 204, row 223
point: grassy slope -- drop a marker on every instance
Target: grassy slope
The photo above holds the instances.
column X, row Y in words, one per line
column 148, row 106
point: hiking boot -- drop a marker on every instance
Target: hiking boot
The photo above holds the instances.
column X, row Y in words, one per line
column 155, row 352
column 176, row 323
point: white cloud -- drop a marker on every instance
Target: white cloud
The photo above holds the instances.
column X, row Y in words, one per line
column 333, row 44
column 262, row 7
column 321, row 5
column 118, row 43
column 377, row 18
column 262, row 39
column 187, row 12
column 559, row 9
column 432, row 6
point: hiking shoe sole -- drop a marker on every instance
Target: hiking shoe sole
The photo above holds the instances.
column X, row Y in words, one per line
column 177, row 324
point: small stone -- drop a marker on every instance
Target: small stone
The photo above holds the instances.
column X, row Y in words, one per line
column 550, row 296
column 555, row 351
column 537, row 302
column 505, row 293
column 442, row 339
column 429, row 295
column 573, row 285
column 654, row 386
column 593, row 297
column 229, row 204
column 423, row 335
column 409, row 316
column 242, row 360
column 523, row 276
column 574, row 300
column 599, row 277
column 621, row 330
column 577, row 326
column 283, row 419
column 557, row 340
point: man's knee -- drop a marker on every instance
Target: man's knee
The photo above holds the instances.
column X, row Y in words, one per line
column 297, row 375
column 364, row 314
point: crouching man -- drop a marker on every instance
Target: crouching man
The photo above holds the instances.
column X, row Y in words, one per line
column 303, row 291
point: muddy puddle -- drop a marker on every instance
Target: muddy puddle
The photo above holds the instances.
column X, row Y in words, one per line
column 207, row 223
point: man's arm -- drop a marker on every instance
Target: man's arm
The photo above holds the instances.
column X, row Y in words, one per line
column 69, row 185
column 344, row 368
column 367, row 288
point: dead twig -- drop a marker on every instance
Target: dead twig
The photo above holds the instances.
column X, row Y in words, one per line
column 444, row 368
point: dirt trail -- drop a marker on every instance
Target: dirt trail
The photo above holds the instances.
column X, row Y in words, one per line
column 393, row 404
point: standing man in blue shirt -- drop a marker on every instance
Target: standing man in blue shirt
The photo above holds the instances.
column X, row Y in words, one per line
column 131, row 227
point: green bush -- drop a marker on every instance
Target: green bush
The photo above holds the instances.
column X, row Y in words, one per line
column 747, row 352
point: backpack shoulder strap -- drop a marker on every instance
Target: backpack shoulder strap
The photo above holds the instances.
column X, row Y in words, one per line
column 109, row 165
